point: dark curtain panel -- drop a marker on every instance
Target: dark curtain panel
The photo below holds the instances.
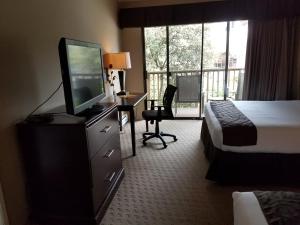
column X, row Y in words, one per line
column 296, row 67
column 270, row 59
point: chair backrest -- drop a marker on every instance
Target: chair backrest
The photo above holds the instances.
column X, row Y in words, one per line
column 168, row 97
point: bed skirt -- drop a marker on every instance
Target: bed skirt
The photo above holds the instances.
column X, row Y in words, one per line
column 249, row 168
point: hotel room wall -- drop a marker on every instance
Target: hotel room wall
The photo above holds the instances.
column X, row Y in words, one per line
column 131, row 41
column 30, row 70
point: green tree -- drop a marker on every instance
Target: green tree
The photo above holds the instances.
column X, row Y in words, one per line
column 184, row 48
column 155, row 48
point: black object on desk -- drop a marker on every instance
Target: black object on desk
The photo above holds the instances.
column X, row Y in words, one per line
column 128, row 103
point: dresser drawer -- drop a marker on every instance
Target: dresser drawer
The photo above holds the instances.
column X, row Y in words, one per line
column 105, row 167
column 101, row 131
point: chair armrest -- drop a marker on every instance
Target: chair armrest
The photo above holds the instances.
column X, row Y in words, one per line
column 152, row 103
column 159, row 112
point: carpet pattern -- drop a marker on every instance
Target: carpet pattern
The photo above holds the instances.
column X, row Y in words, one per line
column 167, row 186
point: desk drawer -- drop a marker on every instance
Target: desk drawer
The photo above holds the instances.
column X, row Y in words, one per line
column 105, row 165
column 101, row 131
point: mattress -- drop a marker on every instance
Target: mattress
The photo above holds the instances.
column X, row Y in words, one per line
column 277, row 123
column 246, row 209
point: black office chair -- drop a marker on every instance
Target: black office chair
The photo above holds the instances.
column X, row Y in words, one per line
column 159, row 115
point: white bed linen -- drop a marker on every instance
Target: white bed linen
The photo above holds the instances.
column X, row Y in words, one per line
column 277, row 123
column 246, row 209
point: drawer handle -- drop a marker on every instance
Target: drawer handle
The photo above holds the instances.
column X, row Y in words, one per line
column 111, row 177
column 106, row 129
column 109, row 153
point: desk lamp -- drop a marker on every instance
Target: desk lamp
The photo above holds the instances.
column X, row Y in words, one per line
column 121, row 62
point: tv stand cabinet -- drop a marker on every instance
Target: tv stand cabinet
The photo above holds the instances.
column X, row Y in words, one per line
column 73, row 166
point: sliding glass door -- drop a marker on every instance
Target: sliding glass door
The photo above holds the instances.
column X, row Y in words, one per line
column 173, row 56
column 185, row 47
column 205, row 62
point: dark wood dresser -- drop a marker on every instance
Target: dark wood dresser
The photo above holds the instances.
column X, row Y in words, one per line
column 73, row 166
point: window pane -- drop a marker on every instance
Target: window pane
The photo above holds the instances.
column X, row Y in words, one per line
column 185, row 67
column 237, row 57
column 156, row 61
column 156, row 49
column 185, row 47
column 214, row 61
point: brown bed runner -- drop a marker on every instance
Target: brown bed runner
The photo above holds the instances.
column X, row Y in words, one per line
column 237, row 129
column 280, row 207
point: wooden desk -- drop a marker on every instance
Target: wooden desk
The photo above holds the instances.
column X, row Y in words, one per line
column 128, row 103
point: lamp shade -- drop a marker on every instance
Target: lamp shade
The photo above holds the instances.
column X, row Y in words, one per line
column 119, row 60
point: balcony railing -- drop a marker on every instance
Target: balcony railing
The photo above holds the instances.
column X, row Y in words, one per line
column 212, row 82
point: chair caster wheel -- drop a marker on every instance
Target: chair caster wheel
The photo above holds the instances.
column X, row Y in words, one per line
column 144, row 143
column 175, row 139
column 165, row 146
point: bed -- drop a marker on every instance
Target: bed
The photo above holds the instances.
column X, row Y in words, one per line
column 246, row 209
column 273, row 158
column 266, row 208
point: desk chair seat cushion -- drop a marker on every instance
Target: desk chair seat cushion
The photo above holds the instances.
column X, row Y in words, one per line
column 153, row 114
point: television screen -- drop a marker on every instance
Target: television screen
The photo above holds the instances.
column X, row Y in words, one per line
column 82, row 72
column 86, row 73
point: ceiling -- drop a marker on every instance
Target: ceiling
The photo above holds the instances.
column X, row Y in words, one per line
column 145, row 3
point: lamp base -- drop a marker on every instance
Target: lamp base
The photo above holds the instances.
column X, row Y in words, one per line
column 121, row 93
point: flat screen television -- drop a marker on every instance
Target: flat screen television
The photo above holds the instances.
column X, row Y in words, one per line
column 82, row 74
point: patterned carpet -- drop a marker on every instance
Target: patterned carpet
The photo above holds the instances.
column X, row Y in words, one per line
column 167, row 186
